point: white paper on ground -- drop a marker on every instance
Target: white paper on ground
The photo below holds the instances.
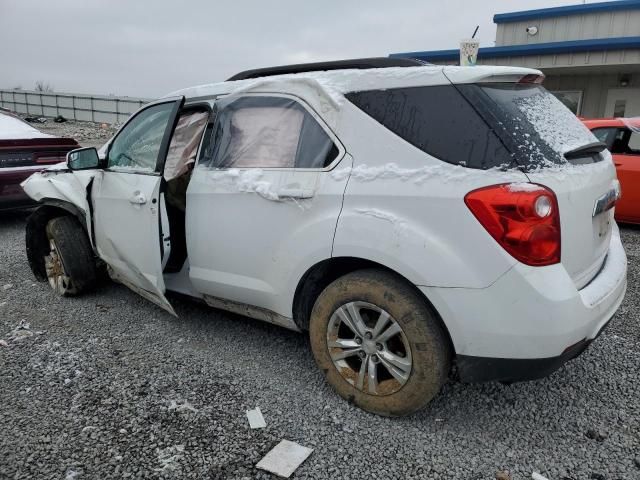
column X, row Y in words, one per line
column 537, row 476
column 284, row 458
column 256, row 420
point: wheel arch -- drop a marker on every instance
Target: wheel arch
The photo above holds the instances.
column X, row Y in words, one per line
column 35, row 234
column 320, row 275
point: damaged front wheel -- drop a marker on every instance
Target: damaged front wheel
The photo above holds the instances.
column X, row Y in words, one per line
column 69, row 263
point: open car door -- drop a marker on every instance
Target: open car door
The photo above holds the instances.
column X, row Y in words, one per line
column 127, row 200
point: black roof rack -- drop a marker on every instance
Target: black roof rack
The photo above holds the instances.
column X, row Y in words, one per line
column 360, row 63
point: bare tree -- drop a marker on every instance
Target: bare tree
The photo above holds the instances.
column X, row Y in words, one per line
column 42, row 86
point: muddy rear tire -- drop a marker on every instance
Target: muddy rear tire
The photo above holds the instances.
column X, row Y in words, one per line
column 70, row 264
column 379, row 343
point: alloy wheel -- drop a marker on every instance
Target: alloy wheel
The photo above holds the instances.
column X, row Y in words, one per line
column 369, row 348
column 58, row 278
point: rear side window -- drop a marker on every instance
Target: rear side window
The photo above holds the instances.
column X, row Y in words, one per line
column 267, row 132
column 439, row 121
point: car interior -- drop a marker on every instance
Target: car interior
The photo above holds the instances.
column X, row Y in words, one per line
column 181, row 157
column 620, row 141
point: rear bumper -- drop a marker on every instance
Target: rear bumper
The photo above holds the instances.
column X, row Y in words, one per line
column 531, row 320
column 484, row 369
column 11, row 193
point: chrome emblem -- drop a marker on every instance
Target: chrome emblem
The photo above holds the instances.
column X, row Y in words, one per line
column 608, row 200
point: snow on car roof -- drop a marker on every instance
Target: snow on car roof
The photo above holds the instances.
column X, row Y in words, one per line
column 12, row 128
column 335, row 83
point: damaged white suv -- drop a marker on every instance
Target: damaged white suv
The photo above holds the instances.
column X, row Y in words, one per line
column 409, row 217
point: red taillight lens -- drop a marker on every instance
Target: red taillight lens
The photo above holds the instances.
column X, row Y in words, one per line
column 53, row 157
column 523, row 218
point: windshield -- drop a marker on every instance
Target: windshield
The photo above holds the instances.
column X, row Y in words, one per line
column 536, row 127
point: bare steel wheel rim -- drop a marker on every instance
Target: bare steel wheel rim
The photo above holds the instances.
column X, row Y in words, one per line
column 58, row 278
column 369, row 348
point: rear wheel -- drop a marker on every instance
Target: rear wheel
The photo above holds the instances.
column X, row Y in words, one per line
column 69, row 263
column 379, row 343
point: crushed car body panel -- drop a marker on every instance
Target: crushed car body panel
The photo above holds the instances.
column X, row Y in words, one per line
column 58, row 183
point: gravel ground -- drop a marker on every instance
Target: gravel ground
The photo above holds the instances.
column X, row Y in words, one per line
column 109, row 386
column 87, row 134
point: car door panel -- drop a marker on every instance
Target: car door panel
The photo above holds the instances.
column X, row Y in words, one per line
column 628, row 170
column 252, row 232
column 126, row 203
column 127, row 231
column 251, row 247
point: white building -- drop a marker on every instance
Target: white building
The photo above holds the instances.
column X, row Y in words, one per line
column 589, row 53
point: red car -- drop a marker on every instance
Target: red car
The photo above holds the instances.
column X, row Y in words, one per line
column 622, row 136
column 23, row 151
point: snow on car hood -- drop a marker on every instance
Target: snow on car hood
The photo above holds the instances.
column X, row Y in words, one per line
column 12, row 128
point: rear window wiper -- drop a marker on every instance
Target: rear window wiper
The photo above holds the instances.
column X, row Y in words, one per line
column 587, row 150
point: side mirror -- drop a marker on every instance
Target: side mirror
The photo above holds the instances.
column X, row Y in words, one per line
column 83, row 159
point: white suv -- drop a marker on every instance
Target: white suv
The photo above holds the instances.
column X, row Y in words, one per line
column 410, row 218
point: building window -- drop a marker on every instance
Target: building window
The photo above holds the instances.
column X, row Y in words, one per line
column 572, row 99
column 619, row 108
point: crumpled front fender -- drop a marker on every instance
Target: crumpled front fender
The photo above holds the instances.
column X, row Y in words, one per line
column 53, row 186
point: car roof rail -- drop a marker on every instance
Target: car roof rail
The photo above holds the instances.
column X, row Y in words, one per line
column 359, row 63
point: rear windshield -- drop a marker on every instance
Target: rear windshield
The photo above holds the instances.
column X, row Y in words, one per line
column 480, row 126
column 532, row 122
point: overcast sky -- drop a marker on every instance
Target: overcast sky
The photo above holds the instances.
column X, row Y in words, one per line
column 151, row 47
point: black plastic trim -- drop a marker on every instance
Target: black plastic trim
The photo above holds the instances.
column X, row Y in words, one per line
column 69, row 207
column 357, row 63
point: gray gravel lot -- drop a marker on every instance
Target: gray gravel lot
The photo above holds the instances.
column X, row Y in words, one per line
column 109, row 386
column 87, row 134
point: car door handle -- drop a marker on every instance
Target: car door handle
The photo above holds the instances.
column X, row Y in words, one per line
column 295, row 193
column 137, row 199
column 617, row 164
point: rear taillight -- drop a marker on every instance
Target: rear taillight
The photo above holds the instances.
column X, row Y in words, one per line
column 54, row 157
column 522, row 217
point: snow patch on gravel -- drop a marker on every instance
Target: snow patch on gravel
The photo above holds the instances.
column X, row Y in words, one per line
column 169, row 458
column 185, row 406
column 21, row 332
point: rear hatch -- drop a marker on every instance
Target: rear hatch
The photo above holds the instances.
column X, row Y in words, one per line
column 554, row 149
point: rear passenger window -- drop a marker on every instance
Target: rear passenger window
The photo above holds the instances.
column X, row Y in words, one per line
column 606, row 135
column 439, row 121
column 267, row 132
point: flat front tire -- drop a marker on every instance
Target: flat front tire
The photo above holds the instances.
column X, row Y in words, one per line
column 379, row 343
column 69, row 262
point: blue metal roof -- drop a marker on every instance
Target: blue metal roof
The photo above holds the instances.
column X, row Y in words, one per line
column 568, row 10
column 598, row 44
